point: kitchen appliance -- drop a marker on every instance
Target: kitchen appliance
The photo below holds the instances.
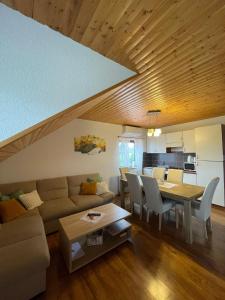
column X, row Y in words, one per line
column 189, row 166
column 191, row 159
column 210, row 158
column 174, row 149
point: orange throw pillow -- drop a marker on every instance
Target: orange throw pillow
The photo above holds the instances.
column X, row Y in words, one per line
column 87, row 188
column 10, row 210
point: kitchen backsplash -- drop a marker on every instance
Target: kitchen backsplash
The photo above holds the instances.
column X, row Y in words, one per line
column 171, row 160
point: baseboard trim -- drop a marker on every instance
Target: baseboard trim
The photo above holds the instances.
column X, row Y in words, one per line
column 218, row 206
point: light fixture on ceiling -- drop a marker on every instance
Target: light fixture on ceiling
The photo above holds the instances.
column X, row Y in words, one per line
column 154, row 131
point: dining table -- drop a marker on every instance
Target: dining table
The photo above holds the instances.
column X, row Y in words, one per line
column 180, row 192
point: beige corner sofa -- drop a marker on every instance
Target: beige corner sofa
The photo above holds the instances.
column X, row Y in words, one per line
column 24, row 254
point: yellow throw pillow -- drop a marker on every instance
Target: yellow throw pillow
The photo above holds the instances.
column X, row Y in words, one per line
column 88, row 188
column 10, row 210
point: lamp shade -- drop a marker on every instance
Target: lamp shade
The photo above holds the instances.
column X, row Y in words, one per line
column 150, row 132
column 157, row 132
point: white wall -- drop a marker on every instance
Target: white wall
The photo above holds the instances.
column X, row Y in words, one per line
column 43, row 72
column 195, row 124
column 54, row 155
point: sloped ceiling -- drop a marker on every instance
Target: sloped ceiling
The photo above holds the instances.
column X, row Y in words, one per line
column 43, row 72
column 43, row 77
column 30, row 135
column 177, row 47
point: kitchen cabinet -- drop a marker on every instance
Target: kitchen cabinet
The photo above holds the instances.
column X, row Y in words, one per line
column 174, row 139
column 156, row 144
column 190, row 178
column 209, row 143
column 189, row 141
column 210, row 162
column 206, row 171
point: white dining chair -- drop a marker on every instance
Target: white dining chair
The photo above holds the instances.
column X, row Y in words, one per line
column 158, row 173
column 124, row 190
column 136, row 193
column 123, row 171
column 175, row 175
column 154, row 202
column 201, row 209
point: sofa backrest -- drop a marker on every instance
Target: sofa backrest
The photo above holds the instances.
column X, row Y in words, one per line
column 74, row 182
column 52, row 188
column 25, row 186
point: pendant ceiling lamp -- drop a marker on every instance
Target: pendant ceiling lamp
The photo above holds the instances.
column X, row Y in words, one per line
column 154, row 115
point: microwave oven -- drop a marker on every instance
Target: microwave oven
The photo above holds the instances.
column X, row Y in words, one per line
column 189, row 166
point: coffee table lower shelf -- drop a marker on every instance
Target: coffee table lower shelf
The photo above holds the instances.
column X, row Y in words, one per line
column 91, row 252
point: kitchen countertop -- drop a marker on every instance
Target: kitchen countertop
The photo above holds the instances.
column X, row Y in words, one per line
column 185, row 171
column 190, row 172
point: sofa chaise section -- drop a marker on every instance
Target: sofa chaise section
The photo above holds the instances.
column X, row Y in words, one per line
column 24, row 254
column 24, row 257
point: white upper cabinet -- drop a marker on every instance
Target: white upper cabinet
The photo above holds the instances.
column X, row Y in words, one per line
column 209, row 144
column 189, row 141
column 156, row 144
column 174, row 139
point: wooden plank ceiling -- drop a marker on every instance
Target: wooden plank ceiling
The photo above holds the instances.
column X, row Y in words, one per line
column 177, row 47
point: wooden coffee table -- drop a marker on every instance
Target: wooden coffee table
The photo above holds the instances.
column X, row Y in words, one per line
column 74, row 231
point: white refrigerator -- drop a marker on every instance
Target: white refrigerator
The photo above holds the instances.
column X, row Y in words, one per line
column 210, row 159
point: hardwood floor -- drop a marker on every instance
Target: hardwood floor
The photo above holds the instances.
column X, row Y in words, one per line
column 155, row 266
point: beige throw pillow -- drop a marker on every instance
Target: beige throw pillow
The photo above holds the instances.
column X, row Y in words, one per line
column 31, row 200
column 102, row 187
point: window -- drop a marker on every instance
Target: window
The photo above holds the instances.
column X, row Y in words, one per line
column 131, row 152
column 127, row 153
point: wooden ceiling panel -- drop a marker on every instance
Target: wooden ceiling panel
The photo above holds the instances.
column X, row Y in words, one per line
column 177, row 48
column 25, row 6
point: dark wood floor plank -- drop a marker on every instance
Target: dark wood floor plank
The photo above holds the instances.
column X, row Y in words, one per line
column 154, row 266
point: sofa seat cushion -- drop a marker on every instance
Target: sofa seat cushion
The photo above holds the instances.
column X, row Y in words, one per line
column 21, row 229
column 57, row 208
column 107, row 197
column 30, row 213
column 22, row 259
column 84, row 202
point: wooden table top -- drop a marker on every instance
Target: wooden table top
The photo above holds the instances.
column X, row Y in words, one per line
column 181, row 191
column 75, row 228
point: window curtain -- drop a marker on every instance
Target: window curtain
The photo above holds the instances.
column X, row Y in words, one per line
column 140, row 147
column 124, row 152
